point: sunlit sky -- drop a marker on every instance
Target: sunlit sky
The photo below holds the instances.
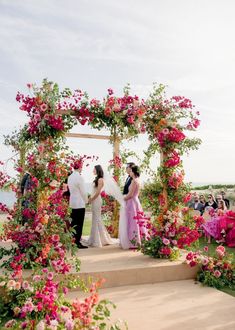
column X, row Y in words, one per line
column 185, row 44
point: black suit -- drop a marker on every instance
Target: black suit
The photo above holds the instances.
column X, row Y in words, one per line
column 127, row 185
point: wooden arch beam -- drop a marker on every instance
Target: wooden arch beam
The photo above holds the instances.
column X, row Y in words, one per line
column 88, row 136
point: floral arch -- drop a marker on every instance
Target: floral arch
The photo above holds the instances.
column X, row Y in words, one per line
column 52, row 113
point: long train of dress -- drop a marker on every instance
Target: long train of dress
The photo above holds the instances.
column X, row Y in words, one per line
column 99, row 235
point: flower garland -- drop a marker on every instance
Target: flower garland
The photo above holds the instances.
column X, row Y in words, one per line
column 166, row 121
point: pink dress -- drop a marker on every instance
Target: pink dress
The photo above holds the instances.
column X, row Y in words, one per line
column 213, row 228
column 227, row 223
column 134, row 229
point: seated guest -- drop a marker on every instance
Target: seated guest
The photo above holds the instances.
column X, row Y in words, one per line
column 221, row 206
column 196, row 205
column 211, row 203
column 202, row 200
column 225, row 199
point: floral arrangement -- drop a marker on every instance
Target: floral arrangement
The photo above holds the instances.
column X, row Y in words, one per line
column 166, row 237
column 166, row 121
column 107, row 211
column 40, row 303
column 120, row 115
column 216, row 271
column 49, row 110
column 39, row 224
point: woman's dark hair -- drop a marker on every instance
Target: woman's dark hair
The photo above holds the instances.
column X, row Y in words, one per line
column 99, row 174
column 135, row 170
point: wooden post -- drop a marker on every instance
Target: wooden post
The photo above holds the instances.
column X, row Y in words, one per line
column 116, row 153
column 22, row 161
column 22, row 165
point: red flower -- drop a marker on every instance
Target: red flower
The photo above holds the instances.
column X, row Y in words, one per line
column 131, row 120
column 173, row 159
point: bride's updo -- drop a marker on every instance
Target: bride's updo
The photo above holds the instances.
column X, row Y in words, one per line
column 135, row 169
column 99, row 174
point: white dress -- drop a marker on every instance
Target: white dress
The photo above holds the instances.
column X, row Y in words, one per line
column 99, row 235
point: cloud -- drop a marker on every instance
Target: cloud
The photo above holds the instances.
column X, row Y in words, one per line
column 185, row 44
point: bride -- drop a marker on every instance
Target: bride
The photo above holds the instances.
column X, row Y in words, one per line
column 99, row 235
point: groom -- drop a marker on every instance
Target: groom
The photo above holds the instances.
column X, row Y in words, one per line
column 77, row 202
column 129, row 179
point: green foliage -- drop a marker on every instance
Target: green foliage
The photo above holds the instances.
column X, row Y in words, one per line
column 149, row 195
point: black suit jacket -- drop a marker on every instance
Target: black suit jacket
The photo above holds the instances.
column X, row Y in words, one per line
column 127, row 185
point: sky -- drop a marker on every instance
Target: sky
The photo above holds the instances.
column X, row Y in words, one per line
column 93, row 45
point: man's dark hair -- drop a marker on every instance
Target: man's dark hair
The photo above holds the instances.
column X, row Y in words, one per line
column 130, row 164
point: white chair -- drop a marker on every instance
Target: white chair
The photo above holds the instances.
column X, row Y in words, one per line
column 193, row 212
column 196, row 212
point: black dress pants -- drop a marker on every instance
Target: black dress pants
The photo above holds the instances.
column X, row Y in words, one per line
column 77, row 216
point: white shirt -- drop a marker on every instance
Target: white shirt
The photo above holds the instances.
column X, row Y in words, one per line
column 78, row 194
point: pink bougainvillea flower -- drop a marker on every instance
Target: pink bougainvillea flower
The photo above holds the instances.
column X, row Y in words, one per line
column 220, row 250
column 206, row 249
column 55, row 238
column 50, row 276
column 10, row 324
column 110, row 91
column 165, row 241
column 131, row 120
column 43, row 107
column 205, row 261
column 217, row 273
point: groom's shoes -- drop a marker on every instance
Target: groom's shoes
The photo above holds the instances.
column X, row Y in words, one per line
column 80, row 246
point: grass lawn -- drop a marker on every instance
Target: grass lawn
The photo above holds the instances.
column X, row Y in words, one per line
column 86, row 227
column 212, row 246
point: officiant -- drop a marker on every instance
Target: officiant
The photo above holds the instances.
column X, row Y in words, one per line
column 128, row 179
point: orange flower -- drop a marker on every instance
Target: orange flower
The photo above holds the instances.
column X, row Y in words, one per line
column 162, row 122
column 160, row 218
column 39, row 100
column 46, row 250
column 141, row 111
column 44, row 219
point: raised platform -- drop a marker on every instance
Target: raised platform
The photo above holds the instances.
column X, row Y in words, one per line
column 127, row 267
column 154, row 294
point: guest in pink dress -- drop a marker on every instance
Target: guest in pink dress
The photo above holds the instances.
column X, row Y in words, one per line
column 212, row 228
column 133, row 207
column 227, row 227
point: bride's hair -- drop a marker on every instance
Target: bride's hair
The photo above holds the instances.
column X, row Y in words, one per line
column 99, row 174
column 135, row 170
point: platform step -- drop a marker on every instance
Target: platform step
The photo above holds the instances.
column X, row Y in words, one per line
column 126, row 267
column 120, row 267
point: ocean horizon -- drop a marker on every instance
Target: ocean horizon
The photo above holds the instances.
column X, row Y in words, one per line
column 9, row 198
